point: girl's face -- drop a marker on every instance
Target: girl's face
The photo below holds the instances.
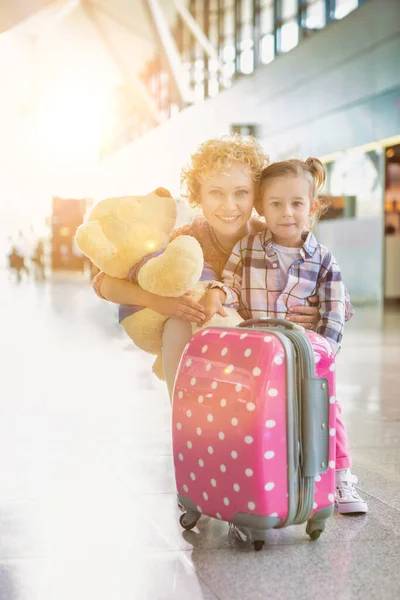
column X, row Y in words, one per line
column 286, row 206
column 227, row 199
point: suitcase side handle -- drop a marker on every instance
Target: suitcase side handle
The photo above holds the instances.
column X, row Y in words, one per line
column 267, row 321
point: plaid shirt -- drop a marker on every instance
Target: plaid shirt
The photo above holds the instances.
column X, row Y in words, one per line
column 253, row 283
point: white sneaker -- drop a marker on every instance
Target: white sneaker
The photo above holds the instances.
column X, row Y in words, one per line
column 347, row 498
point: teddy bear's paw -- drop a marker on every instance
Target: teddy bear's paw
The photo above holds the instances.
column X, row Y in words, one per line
column 93, row 243
column 158, row 369
column 175, row 271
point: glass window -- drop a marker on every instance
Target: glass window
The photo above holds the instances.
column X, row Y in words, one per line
column 229, row 22
column 214, row 29
column 213, row 87
column 289, row 9
column 289, row 36
column 199, row 91
column 314, row 17
column 228, row 52
column 228, row 70
column 267, row 49
column 246, row 61
column 247, row 11
column 344, row 7
column 267, row 20
column 247, row 32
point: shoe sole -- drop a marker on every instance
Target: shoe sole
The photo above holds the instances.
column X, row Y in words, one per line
column 352, row 508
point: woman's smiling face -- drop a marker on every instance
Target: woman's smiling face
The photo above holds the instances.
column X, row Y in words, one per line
column 227, row 199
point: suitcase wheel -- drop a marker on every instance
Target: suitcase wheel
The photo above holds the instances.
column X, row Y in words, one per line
column 258, row 545
column 314, row 535
column 188, row 520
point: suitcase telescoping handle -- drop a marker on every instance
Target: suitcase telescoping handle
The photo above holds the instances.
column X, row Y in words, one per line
column 271, row 321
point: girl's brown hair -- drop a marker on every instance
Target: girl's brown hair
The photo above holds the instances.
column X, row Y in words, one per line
column 219, row 154
column 312, row 168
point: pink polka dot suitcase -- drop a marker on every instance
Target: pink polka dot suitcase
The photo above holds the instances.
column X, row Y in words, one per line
column 254, row 428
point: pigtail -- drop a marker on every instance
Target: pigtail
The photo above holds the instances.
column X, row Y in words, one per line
column 317, row 171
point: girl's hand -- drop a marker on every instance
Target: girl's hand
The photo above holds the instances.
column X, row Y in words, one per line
column 212, row 302
column 307, row 316
column 184, row 307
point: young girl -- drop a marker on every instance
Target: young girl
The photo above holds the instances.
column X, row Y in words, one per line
column 271, row 271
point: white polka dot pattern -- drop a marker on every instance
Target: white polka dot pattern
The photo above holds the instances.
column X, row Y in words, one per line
column 229, row 409
column 269, row 454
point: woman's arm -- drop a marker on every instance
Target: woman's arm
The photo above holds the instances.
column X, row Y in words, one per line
column 121, row 291
column 231, row 283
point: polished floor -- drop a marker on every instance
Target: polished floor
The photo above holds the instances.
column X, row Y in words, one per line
column 87, row 498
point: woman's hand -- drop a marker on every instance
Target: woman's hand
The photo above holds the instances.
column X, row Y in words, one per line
column 307, row 316
column 184, row 307
column 212, row 302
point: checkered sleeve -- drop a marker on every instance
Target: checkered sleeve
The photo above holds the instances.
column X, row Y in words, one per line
column 349, row 308
column 232, row 278
column 332, row 297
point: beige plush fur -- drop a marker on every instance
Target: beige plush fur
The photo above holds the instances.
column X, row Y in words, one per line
column 120, row 232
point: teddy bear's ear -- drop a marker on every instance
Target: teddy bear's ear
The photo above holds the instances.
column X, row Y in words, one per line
column 162, row 192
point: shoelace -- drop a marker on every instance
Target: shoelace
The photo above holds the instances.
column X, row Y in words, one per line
column 345, row 486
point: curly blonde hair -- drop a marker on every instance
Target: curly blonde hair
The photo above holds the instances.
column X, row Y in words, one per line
column 217, row 155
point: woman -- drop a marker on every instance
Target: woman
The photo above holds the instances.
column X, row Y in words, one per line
column 221, row 178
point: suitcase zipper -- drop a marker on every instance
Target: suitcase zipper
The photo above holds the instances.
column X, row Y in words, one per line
column 305, row 369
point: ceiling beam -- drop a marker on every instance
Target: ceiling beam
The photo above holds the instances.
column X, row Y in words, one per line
column 197, row 32
column 171, row 52
column 135, row 85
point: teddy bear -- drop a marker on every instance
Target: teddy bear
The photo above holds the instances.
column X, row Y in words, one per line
column 128, row 238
